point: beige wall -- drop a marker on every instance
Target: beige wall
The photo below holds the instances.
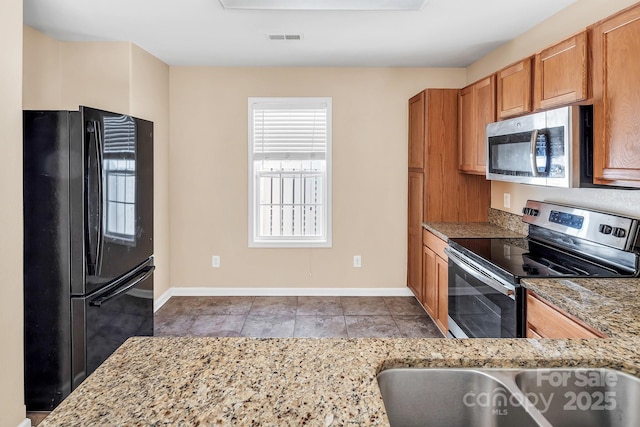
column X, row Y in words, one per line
column 42, row 88
column 570, row 20
column 208, row 172
column 114, row 76
column 64, row 75
column 149, row 99
column 95, row 74
column 12, row 411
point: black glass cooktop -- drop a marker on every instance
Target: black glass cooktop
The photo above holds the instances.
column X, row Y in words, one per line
column 524, row 258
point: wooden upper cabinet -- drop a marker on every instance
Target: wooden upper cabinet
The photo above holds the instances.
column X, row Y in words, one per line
column 561, row 73
column 514, row 89
column 476, row 109
column 416, row 131
column 616, row 94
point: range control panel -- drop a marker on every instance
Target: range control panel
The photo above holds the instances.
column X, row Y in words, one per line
column 600, row 227
column 564, row 218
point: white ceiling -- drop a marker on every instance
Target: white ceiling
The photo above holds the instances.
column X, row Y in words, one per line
column 445, row 33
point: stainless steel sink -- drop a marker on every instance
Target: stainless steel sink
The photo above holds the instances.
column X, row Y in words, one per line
column 510, row 397
column 584, row 397
column 449, row 397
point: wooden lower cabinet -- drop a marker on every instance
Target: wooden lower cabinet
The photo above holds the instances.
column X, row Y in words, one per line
column 544, row 320
column 435, row 280
column 430, row 288
column 416, row 206
column 442, row 274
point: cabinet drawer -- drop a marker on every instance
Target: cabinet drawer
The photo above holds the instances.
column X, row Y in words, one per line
column 547, row 321
column 434, row 243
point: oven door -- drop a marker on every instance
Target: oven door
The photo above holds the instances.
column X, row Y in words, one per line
column 482, row 305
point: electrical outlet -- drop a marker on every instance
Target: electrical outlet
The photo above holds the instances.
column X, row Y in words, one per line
column 507, row 200
column 215, row 261
column 357, row 261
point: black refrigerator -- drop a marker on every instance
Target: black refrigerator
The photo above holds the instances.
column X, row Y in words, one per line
column 88, row 244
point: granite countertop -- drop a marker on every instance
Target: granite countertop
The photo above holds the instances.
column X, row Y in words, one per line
column 294, row 381
column 332, row 382
column 451, row 230
column 604, row 304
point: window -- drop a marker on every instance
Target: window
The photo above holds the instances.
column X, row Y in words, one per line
column 290, row 172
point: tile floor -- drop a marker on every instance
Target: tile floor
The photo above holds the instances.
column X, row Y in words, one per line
column 309, row 317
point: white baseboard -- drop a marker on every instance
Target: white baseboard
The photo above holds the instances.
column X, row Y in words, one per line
column 25, row 423
column 162, row 299
column 259, row 292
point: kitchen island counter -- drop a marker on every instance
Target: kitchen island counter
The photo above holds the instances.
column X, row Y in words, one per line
column 293, row 381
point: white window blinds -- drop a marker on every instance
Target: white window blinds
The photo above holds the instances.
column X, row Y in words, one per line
column 289, row 172
column 283, row 131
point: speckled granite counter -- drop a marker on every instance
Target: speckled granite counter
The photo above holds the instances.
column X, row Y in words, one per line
column 604, row 304
column 501, row 224
column 317, row 382
column 450, row 230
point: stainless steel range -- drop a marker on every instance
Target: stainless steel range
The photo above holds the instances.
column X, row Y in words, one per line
column 485, row 296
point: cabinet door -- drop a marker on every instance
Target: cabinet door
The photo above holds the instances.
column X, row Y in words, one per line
column 466, row 129
column 485, row 113
column 561, row 73
column 616, row 93
column 414, row 256
column 430, row 292
column 546, row 321
column 514, row 89
column 477, row 108
column 416, row 131
column 442, row 269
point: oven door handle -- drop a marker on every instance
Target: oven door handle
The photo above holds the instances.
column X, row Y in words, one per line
column 477, row 274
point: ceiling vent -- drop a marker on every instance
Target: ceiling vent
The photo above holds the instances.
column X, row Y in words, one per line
column 284, row 36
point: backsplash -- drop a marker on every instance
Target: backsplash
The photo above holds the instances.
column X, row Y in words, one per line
column 508, row 220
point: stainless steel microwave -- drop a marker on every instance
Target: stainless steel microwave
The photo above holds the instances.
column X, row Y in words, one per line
column 549, row 148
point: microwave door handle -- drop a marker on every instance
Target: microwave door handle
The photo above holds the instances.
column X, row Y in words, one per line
column 479, row 276
column 534, row 165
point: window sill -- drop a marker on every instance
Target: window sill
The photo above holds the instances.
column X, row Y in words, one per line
column 288, row 244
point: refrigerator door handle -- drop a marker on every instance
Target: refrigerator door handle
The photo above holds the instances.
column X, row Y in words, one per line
column 101, row 201
column 94, row 246
column 101, row 300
